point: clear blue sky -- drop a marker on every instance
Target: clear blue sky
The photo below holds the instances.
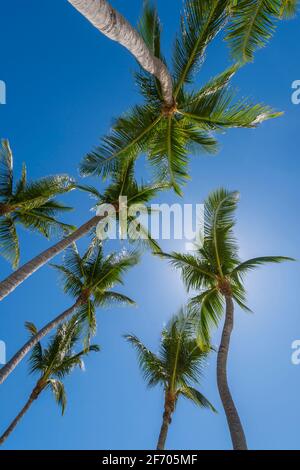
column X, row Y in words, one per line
column 65, row 84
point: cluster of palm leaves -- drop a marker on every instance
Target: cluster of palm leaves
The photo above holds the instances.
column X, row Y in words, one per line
column 167, row 134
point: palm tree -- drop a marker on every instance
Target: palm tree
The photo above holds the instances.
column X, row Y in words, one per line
column 53, row 364
column 123, row 184
column 167, row 134
column 89, row 279
column 217, row 273
column 177, row 367
column 30, row 204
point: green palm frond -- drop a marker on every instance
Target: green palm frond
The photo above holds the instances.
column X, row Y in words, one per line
column 208, row 309
column 127, row 141
column 111, row 298
column 220, row 208
column 253, row 23
column 150, row 365
column 9, row 242
column 196, row 397
column 196, row 273
column 288, row 8
column 35, row 194
column 36, row 358
column 6, row 170
column 220, row 110
column 251, row 264
column 38, row 220
column 149, row 28
column 139, row 235
column 202, row 20
column 168, row 152
column 59, row 392
column 212, row 87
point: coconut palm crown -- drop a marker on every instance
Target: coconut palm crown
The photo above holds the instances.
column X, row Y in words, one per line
column 168, row 134
column 53, row 364
column 91, row 278
column 177, row 367
column 30, row 204
column 215, row 269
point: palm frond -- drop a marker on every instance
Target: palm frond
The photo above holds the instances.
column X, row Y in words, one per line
column 201, row 22
column 59, row 392
column 220, row 110
column 6, row 170
column 9, row 242
column 128, row 139
column 149, row 28
column 254, row 263
column 106, row 299
column 208, row 310
column 220, row 208
column 196, row 397
column 253, row 23
column 149, row 363
column 288, row 8
column 196, row 273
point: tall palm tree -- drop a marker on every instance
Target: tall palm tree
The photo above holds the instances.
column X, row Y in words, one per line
column 217, row 273
column 123, row 184
column 30, row 204
column 168, row 134
column 177, row 367
column 90, row 280
column 53, row 364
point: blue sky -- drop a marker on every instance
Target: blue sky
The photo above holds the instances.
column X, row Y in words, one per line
column 65, row 83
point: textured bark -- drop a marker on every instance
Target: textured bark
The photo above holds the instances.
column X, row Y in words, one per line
column 19, row 356
column 113, row 25
column 167, row 419
column 11, row 428
column 234, row 422
column 14, row 280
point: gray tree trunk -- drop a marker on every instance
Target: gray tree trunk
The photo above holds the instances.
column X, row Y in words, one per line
column 113, row 25
column 234, row 422
column 15, row 422
column 19, row 356
column 14, row 280
column 163, row 432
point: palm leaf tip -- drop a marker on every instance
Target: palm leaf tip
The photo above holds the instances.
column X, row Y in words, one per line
column 288, row 9
column 253, row 23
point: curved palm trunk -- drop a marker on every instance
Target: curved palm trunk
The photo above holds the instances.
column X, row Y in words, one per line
column 11, row 428
column 14, row 280
column 113, row 25
column 234, row 422
column 19, row 356
column 167, row 419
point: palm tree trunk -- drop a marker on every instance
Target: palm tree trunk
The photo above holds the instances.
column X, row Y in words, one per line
column 167, row 419
column 234, row 422
column 164, row 431
column 14, row 280
column 10, row 429
column 19, row 356
column 113, row 25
